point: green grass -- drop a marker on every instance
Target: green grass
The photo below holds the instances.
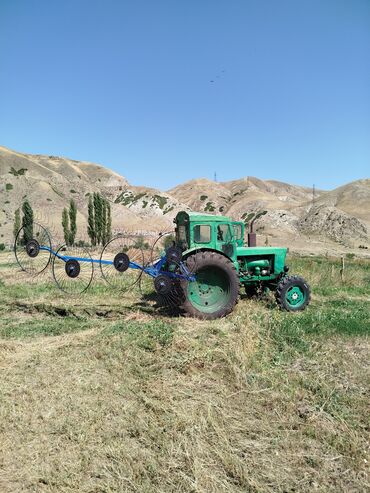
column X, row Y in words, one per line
column 107, row 387
column 146, row 335
column 48, row 326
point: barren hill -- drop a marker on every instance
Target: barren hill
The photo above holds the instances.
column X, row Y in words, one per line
column 294, row 215
column 49, row 182
column 329, row 221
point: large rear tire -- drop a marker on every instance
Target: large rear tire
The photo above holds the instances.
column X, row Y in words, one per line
column 215, row 291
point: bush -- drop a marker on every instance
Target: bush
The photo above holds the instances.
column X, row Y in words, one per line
column 82, row 243
column 2, row 247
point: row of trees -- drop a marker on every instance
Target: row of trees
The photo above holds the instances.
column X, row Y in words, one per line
column 99, row 226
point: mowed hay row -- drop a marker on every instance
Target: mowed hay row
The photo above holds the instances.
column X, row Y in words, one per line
column 140, row 401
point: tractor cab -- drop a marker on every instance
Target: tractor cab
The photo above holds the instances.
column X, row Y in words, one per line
column 195, row 231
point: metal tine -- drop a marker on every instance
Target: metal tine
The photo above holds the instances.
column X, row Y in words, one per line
column 122, row 262
column 73, row 269
column 33, row 249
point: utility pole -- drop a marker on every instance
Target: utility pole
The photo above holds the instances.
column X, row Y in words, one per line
column 313, row 194
column 215, row 177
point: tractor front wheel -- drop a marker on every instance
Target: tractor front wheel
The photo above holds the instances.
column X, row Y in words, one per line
column 293, row 294
column 215, row 290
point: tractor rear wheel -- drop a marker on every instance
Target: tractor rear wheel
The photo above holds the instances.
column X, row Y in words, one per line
column 215, row 290
column 293, row 294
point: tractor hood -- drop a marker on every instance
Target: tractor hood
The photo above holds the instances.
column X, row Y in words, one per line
column 248, row 251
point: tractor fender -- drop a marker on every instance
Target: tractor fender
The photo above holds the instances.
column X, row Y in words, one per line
column 188, row 252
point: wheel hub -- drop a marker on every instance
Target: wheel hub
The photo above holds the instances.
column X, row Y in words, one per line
column 121, row 262
column 32, row 248
column 72, row 268
column 204, row 289
column 163, row 284
column 295, row 295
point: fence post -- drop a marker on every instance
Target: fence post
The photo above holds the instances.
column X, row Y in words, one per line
column 342, row 270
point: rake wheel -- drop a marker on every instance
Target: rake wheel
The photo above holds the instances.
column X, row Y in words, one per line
column 32, row 249
column 166, row 290
column 121, row 262
column 161, row 244
column 72, row 269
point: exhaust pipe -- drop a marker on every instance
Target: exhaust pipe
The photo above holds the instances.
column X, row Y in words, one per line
column 252, row 239
column 252, row 236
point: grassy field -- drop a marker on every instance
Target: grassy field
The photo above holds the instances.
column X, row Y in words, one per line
column 105, row 394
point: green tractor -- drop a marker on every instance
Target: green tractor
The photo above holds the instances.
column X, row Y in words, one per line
column 213, row 250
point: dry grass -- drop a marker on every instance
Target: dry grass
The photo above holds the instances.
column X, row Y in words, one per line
column 102, row 394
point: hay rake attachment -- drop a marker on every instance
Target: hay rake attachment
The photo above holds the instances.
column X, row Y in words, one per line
column 124, row 264
column 199, row 269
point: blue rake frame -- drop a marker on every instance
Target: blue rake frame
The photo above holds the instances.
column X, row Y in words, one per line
column 152, row 270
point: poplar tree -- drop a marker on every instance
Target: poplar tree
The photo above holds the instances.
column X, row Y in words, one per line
column 109, row 222
column 65, row 224
column 27, row 221
column 17, row 223
column 104, row 221
column 97, row 217
column 72, row 221
column 91, row 222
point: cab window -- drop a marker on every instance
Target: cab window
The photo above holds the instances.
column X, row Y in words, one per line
column 237, row 231
column 202, row 233
column 181, row 233
column 224, row 232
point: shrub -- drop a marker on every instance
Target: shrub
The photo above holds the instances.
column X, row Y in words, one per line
column 82, row 243
column 19, row 172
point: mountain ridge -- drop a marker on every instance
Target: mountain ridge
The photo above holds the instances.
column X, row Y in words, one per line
column 338, row 218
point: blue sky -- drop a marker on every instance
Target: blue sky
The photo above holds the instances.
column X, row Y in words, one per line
column 129, row 84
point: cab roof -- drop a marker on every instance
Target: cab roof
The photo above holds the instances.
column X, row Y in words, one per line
column 202, row 217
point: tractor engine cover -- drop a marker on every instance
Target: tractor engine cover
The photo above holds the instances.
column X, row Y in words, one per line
column 163, row 284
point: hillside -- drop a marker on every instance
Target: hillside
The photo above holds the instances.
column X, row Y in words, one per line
column 335, row 220
column 49, row 182
column 329, row 220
